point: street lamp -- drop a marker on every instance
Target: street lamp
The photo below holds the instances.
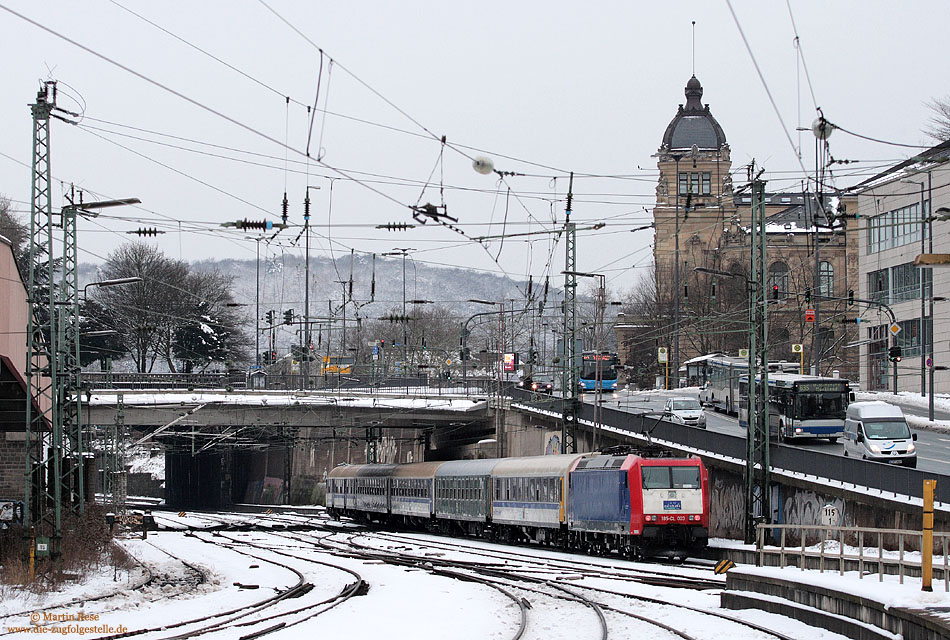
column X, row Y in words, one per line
column 923, row 335
column 111, row 283
column 599, row 338
column 676, row 281
column 933, row 260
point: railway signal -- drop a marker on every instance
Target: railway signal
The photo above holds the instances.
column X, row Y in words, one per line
column 895, row 354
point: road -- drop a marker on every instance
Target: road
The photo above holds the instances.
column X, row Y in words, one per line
column 933, row 447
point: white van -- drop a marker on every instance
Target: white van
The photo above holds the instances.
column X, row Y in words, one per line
column 877, row 431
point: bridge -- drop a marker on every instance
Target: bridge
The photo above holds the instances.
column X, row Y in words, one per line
column 270, row 445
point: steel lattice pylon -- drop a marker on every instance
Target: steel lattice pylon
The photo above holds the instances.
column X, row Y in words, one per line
column 43, row 503
column 68, row 367
column 569, row 371
column 757, row 459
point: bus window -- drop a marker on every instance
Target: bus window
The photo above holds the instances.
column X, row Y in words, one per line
column 812, row 406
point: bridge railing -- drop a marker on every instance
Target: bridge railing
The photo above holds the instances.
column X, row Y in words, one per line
column 848, row 473
column 132, row 380
column 406, row 385
column 865, row 550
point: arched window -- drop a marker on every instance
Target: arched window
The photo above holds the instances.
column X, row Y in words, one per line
column 778, row 276
column 826, row 279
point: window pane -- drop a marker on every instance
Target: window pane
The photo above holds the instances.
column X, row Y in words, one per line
column 656, row 478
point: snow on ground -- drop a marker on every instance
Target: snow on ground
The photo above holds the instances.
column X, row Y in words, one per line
column 409, row 603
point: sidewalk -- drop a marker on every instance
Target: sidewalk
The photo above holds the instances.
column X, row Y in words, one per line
column 915, row 407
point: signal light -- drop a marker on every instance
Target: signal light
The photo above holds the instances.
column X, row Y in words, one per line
column 807, row 296
column 894, row 354
column 289, row 316
column 850, row 296
column 273, row 356
column 775, row 292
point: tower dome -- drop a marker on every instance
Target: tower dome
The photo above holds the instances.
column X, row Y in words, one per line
column 693, row 124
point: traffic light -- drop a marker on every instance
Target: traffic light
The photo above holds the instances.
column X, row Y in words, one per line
column 382, row 344
column 894, row 354
column 265, row 357
column 273, row 357
column 270, row 317
column 775, row 292
column 289, row 316
column 807, row 296
column 850, row 296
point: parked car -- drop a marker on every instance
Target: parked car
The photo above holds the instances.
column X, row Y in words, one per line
column 685, row 410
column 877, row 430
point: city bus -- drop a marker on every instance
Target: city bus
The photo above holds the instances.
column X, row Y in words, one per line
column 721, row 390
column 598, row 367
column 801, row 406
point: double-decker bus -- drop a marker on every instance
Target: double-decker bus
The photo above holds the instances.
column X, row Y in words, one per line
column 721, row 390
column 801, row 406
column 598, row 370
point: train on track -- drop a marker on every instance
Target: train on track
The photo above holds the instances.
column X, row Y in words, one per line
column 630, row 502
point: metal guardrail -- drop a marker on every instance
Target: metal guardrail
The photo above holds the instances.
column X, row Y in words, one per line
column 335, row 382
column 841, row 547
column 890, row 480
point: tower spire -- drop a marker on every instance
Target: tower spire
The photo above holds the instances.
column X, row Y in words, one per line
column 694, row 48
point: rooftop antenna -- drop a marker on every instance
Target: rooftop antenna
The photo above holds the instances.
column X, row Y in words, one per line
column 694, row 47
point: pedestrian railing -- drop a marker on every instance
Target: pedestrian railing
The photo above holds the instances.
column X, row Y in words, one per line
column 865, row 550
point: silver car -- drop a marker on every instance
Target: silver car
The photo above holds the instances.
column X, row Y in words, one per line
column 686, row 411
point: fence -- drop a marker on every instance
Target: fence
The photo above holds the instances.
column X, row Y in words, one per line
column 893, row 551
column 238, row 379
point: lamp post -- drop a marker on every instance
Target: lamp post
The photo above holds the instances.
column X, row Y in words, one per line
column 463, row 337
column 114, row 282
column 402, row 252
column 599, row 338
column 922, row 333
column 942, row 213
column 676, row 277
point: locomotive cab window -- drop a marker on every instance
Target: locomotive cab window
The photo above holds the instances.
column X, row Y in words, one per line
column 662, row 477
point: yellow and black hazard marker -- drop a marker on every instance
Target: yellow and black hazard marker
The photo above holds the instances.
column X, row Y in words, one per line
column 181, row 514
column 269, row 512
column 724, row 565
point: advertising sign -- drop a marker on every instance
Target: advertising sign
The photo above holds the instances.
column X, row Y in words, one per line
column 510, row 361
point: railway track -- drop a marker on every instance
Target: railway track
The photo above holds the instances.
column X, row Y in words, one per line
column 530, row 579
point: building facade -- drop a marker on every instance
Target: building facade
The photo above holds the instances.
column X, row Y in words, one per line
column 703, row 221
column 894, row 210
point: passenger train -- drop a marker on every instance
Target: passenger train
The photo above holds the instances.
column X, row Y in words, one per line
column 633, row 503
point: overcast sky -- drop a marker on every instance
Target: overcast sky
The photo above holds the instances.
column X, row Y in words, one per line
column 543, row 88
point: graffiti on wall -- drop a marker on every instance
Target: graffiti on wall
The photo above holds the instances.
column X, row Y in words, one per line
column 804, row 507
column 727, row 506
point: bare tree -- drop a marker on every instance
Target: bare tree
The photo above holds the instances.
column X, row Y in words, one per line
column 938, row 126
column 18, row 233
